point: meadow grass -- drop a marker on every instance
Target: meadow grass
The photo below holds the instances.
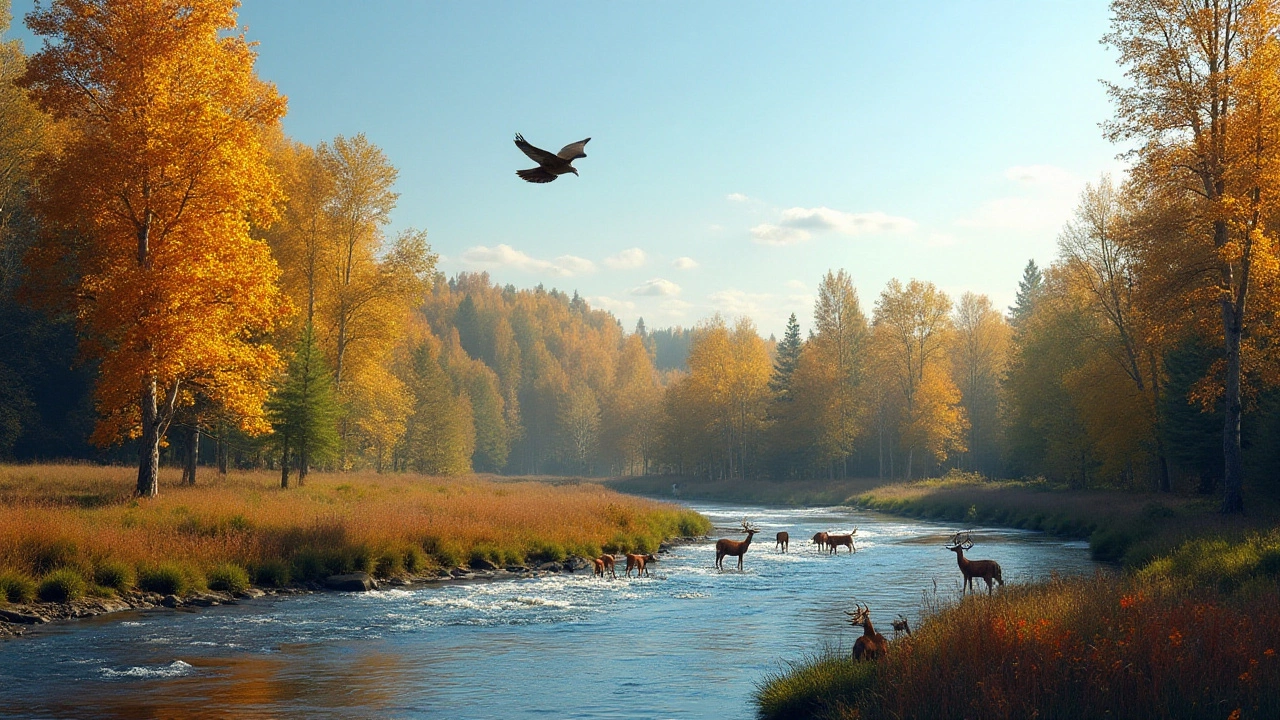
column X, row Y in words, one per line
column 80, row 518
column 1192, row 635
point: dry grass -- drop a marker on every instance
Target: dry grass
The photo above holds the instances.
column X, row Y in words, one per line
column 1068, row 649
column 82, row 517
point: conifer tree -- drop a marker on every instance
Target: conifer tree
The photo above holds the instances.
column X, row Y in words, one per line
column 788, row 356
column 304, row 411
column 1030, row 287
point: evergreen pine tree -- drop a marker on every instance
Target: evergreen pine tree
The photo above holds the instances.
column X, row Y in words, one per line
column 1030, row 288
column 304, row 411
column 788, row 356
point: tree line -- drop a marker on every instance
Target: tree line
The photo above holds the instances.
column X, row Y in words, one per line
column 174, row 266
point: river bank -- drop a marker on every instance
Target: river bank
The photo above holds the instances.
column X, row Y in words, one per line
column 73, row 541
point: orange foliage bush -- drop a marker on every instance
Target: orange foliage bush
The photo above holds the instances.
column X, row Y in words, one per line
column 1087, row 648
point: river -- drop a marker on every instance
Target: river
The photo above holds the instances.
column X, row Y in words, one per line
column 690, row 642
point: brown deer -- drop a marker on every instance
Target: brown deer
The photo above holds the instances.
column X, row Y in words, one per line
column 834, row 542
column 597, row 567
column 605, row 562
column 783, row 540
column 737, row 548
column 988, row 570
column 901, row 626
column 872, row 645
column 638, row 563
column 820, row 539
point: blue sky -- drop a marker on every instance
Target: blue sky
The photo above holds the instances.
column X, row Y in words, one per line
column 739, row 149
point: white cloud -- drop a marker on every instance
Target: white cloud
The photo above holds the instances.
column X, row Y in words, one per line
column 627, row 259
column 674, row 308
column 657, row 287
column 507, row 256
column 767, row 234
column 684, row 263
column 738, row 302
column 736, row 197
column 613, row 305
column 824, row 218
column 796, row 284
column 1043, row 198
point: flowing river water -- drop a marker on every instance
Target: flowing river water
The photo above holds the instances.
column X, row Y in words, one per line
column 690, row 642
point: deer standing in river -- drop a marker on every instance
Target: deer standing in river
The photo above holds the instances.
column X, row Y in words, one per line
column 988, row 570
column 872, row 645
column 638, row 562
column 835, row 542
column 820, row 539
column 737, row 548
column 783, row 540
column 605, row 562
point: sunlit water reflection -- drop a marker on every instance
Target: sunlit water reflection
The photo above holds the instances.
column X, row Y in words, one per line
column 690, row 642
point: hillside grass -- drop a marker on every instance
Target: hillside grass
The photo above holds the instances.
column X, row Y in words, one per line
column 84, row 520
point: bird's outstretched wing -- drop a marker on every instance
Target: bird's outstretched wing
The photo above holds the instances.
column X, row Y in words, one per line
column 536, row 175
column 538, row 155
column 573, row 151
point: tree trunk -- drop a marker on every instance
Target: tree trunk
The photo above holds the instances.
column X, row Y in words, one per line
column 302, row 465
column 149, row 453
column 192, row 454
column 284, row 468
column 1233, row 478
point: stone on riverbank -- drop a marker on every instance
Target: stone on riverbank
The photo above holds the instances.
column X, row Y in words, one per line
column 351, row 582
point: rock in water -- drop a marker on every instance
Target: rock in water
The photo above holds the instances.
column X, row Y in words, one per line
column 351, row 582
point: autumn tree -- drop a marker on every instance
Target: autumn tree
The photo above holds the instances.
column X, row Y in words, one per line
column 439, row 437
column 980, row 351
column 1098, row 264
column 148, row 207
column 629, row 422
column 912, row 329
column 839, row 343
column 1202, row 104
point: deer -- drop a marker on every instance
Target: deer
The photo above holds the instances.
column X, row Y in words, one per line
column 988, row 570
column 605, row 562
column 638, row 563
column 820, row 539
column 737, row 548
column 597, row 568
column 834, row 542
column 783, row 540
column 872, row 645
column 901, row 626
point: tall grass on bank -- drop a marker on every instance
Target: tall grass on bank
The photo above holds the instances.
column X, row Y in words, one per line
column 82, row 518
column 1194, row 635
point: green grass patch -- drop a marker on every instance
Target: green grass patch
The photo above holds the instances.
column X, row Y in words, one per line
column 228, row 577
column 816, row 687
column 115, row 575
column 16, row 587
column 61, row 585
column 169, row 579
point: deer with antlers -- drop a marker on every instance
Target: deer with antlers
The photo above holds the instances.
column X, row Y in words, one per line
column 783, row 540
column 988, row 570
column 639, row 563
column 736, row 548
column 872, row 645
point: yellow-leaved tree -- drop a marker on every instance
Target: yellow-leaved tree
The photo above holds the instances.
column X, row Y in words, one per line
column 148, row 207
column 1202, row 106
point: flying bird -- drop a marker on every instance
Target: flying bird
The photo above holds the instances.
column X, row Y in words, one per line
column 550, row 166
